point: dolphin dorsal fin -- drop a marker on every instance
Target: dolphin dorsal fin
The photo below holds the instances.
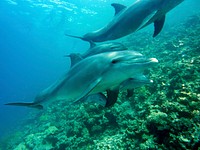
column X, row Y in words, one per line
column 75, row 58
column 118, row 7
column 92, row 44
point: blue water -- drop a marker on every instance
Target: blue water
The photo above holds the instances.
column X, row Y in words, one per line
column 32, row 44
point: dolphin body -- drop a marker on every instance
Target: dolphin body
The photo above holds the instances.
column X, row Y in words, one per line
column 92, row 75
column 130, row 19
column 94, row 49
column 129, row 84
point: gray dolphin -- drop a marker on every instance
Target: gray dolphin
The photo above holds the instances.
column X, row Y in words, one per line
column 103, row 47
column 96, row 49
column 94, row 74
column 130, row 19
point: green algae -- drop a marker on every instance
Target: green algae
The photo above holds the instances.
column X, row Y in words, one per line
column 164, row 115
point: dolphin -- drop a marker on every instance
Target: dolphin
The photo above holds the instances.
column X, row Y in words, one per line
column 103, row 47
column 130, row 19
column 92, row 75
column 96, row 49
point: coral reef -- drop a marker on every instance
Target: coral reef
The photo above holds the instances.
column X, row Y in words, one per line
column 165, row 115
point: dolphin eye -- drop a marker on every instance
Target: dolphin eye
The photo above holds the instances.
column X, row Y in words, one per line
column 114, row 61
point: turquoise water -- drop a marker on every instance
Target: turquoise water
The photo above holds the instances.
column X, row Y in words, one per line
column 33, row 43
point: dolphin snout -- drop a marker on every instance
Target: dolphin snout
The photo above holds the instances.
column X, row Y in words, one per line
column 153, row 60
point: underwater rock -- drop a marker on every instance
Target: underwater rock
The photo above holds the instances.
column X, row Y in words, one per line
column 51, row 130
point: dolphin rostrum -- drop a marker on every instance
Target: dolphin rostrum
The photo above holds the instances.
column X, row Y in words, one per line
column 130, row 19
column 94, row 74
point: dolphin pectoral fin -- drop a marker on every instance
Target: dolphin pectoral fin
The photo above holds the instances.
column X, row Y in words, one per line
column 32, row 105
column 158, row 25
column 118, row 7
column 111, row 97
column 130, row 93
column 88, row 90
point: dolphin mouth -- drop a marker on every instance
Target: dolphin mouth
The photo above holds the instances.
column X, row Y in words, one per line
column 144, row 61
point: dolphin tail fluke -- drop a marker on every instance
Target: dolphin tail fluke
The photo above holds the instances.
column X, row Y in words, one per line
column 32, row 105
column 78, row 37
